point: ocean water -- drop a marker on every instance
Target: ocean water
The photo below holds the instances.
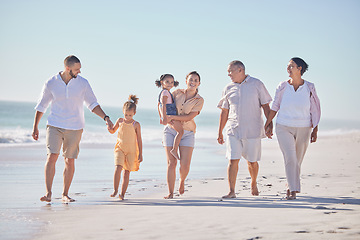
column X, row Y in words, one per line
column 16, row 120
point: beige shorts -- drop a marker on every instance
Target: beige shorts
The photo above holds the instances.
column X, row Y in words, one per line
column 250, row 149
column 69, row 139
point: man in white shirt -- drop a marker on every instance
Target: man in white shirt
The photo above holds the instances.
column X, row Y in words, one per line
column 240, row 105
column 67, row 92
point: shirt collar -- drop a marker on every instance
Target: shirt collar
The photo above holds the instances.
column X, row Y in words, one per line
column 245, row 80
column 197, row 96
column 60, row 78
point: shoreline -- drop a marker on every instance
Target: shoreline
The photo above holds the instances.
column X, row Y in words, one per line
column 328, row 207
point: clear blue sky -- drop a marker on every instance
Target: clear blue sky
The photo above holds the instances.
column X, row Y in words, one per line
column 124, row 46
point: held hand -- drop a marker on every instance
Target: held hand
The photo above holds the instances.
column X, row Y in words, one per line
column 35, row 134
column 269, row 130
column 220, row 138
column 313, row 137
column 109, row 124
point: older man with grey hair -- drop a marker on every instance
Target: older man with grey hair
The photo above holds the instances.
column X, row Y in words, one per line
column 241, row 104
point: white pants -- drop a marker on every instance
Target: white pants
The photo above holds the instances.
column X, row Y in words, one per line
column 293, row 143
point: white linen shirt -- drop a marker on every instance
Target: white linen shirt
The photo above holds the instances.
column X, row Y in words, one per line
column 244, row 102
column 67, row 102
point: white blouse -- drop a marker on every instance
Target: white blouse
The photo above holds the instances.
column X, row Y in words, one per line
column 295, row 107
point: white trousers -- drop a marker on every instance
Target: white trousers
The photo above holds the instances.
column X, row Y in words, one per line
column 293, row 142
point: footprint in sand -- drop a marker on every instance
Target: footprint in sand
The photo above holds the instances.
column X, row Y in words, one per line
column 344, row 228
column 329, row 212
column 321, row 207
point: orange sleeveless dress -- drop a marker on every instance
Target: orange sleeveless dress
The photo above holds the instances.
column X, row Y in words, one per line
column 126, row 151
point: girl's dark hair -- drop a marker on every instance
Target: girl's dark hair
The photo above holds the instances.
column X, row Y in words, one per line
column 131, row 104
column 193, row 72
column 301, row 63
column 162, row 77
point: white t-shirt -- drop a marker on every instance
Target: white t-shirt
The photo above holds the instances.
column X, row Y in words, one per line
column 295, row 107
column 67, row 102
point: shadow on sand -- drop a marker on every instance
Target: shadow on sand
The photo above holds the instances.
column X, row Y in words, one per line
column 266, row 201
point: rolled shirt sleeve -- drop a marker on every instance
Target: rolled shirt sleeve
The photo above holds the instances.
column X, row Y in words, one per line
column 45, row 98
column 89, row 97
column 278, row 96
column 198, row 106
column 223, row 103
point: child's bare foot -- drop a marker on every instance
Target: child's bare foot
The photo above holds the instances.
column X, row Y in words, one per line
column 254, row 190
column 122, row 197
column 67, row 199
column 229, row 195
column 114, row 194
column 46, row 198
column 170, row 196
column 175, row 154
column 182, row 187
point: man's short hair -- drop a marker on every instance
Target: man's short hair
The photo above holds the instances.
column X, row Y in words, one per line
column 71, row 60
column 238, row 64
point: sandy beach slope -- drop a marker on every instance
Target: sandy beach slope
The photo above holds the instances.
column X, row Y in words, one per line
column 327, row 208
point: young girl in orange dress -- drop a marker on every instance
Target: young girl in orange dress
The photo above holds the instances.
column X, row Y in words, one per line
column 128, row 148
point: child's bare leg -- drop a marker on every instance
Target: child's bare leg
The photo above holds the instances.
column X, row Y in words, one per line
column 125, row 184
column 117, row 175
column 180, row 132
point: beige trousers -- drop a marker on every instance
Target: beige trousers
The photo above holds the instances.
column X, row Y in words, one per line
column 293, row 142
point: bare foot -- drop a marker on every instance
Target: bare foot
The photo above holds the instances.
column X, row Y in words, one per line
column 67, row 199
column 114, row 194
column 122, row 197
column 230, row 195
column 287, row 193
column 290, row 196
column 46, row 198
column 254, row 190
column 182, row 187
column 175, row 154
column 170, row 196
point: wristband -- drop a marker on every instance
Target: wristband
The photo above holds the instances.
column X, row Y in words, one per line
column 106, row 116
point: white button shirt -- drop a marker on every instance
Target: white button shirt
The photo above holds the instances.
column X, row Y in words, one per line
column 244, row 100
column 67, row 102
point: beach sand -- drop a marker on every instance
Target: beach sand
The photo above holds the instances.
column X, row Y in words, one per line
column 327, row 208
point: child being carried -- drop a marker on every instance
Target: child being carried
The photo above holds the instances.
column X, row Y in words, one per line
column 166, row 106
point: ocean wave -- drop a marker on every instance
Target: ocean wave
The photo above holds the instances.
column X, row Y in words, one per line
column 16, row 136
column 22, row 136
